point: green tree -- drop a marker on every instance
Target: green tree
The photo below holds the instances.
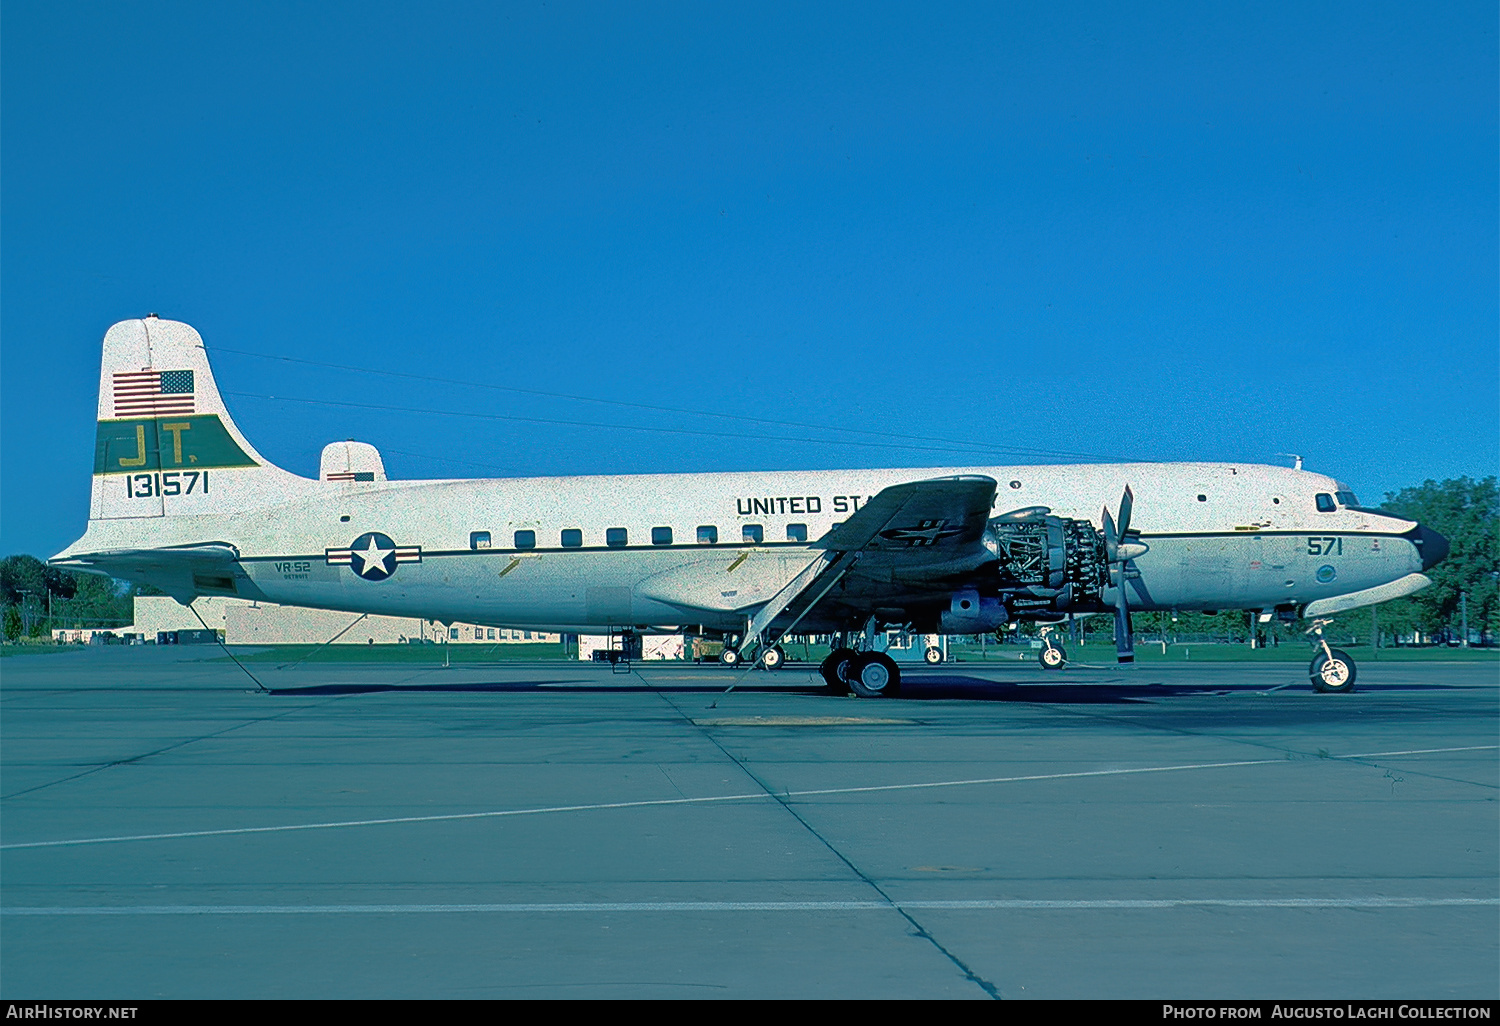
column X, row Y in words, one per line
column 1467, row 513
column 28, row 587
column 12, row 623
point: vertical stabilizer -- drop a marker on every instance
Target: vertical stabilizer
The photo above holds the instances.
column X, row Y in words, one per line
column 166, row 445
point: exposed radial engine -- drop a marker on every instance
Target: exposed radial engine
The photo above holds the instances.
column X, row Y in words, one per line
column 1047, row 564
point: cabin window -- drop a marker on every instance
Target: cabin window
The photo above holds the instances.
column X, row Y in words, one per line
column 479, row 539
column 753, row 534
column 525, row 539
column 572, row 538
column 1346, row 498
column 616, row 538
column 528, row 635
column 708, row 535
column 1203, row 498
column 796, row 532
column 453, row 633
column 478, row 633
column 491, row 634
column 1325, row 503
column 661, row 536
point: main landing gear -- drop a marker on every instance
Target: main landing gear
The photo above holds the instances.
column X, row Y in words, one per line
column 867, row 674
column 1331, row 671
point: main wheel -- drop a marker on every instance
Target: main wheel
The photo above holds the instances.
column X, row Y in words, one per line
column 933, row 655
column 1052, row 657
column 730, row 656
column 772, row 658
column 1335, row 675
column 872, row 674
column 835, row 668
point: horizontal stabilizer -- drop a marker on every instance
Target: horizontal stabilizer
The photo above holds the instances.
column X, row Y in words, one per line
column 182, row 571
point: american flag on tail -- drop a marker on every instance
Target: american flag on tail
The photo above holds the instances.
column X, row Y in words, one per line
column 153, row 393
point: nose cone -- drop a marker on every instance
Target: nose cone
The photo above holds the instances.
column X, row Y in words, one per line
column 1432, row 546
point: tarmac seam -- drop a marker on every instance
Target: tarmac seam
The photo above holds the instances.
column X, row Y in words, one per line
column 148, row 755
column 969, row 974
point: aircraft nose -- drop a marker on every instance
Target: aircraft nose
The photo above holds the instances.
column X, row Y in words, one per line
column 1432, row 546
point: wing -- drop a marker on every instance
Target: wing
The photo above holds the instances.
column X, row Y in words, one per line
column 922, row 531
column 920, row 519
column 182, row 571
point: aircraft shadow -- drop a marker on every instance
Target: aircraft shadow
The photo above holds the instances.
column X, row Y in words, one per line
column 923, row 688
column 1107, row 692
column 501, row 687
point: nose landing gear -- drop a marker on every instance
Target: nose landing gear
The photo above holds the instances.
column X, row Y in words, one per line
column 1331, row 671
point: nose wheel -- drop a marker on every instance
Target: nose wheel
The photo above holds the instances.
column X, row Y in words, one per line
column 1332, row 672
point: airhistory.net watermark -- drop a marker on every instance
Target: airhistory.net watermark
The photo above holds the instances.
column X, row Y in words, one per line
column 46, row 1010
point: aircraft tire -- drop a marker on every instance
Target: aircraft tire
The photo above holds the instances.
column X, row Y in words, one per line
column 933, row 655
column 834, row 667
column 1053, row 658
column 773, row 658
column 730, row 656
column 874, row 675
column 1332, row 676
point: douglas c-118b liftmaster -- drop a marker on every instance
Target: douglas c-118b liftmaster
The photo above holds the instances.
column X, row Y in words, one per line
column 182, row 501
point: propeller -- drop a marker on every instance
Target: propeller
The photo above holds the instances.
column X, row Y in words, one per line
column 1120, row 549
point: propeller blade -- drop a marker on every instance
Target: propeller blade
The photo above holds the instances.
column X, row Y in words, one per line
column 1127, row 502
column 1111, row 538
column 1124, row 636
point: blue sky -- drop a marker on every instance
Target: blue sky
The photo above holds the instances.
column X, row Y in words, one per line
column 1165, row 232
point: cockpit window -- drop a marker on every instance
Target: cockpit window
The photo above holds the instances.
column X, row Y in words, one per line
column 1325, row 503
column 1346, row 498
